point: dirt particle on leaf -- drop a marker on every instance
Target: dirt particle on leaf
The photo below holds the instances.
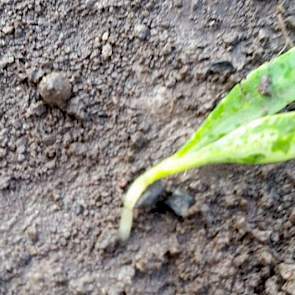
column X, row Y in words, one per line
column 265, row 86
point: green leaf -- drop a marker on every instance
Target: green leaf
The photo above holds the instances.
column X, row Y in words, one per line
column 265, row 91
column 242, row 129
column 269, row 139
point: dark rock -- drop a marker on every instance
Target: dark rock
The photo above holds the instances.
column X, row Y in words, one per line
column 180, row 202
column 221, row 67
column 55, row 89
column 152, row 196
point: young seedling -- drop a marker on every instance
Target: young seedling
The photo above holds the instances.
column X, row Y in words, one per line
column 244, row 128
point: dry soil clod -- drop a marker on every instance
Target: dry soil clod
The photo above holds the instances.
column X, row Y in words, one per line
column 55, row 89
column 180, row 202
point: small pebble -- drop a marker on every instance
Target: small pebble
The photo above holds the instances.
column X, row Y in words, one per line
column 32, row 234
column 230, row 201
column 265, row 257
column 230, row 37
column 260, row 235
column 8, row 29
column 141, row 31
column 55, row 89
column 180, row 202
column 105, row 36
column 6, row 60
column 241, row 259
column 107, row 51
column 89, row 3
column 287, row 271
column 107, row 239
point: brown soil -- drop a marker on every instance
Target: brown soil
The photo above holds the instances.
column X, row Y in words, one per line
column 145, row 74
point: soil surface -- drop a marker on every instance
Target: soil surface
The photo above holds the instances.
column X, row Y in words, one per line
column 144, row 75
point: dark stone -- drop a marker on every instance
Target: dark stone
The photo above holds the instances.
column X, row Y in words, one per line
column 152, row 196
column 180, row 202
column 221, row 67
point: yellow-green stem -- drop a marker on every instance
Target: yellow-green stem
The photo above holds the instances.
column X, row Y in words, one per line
column 168, row 167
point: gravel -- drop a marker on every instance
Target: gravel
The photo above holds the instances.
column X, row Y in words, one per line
column 55, row 89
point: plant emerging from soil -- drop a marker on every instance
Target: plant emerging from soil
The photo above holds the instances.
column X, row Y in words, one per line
column 244, row 128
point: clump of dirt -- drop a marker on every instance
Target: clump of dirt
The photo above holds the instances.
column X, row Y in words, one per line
column 144, row 75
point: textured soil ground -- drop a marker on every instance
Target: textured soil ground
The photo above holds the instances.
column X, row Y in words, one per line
column 144, row 74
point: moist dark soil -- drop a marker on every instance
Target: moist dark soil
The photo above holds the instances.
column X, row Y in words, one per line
column 144, row 75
